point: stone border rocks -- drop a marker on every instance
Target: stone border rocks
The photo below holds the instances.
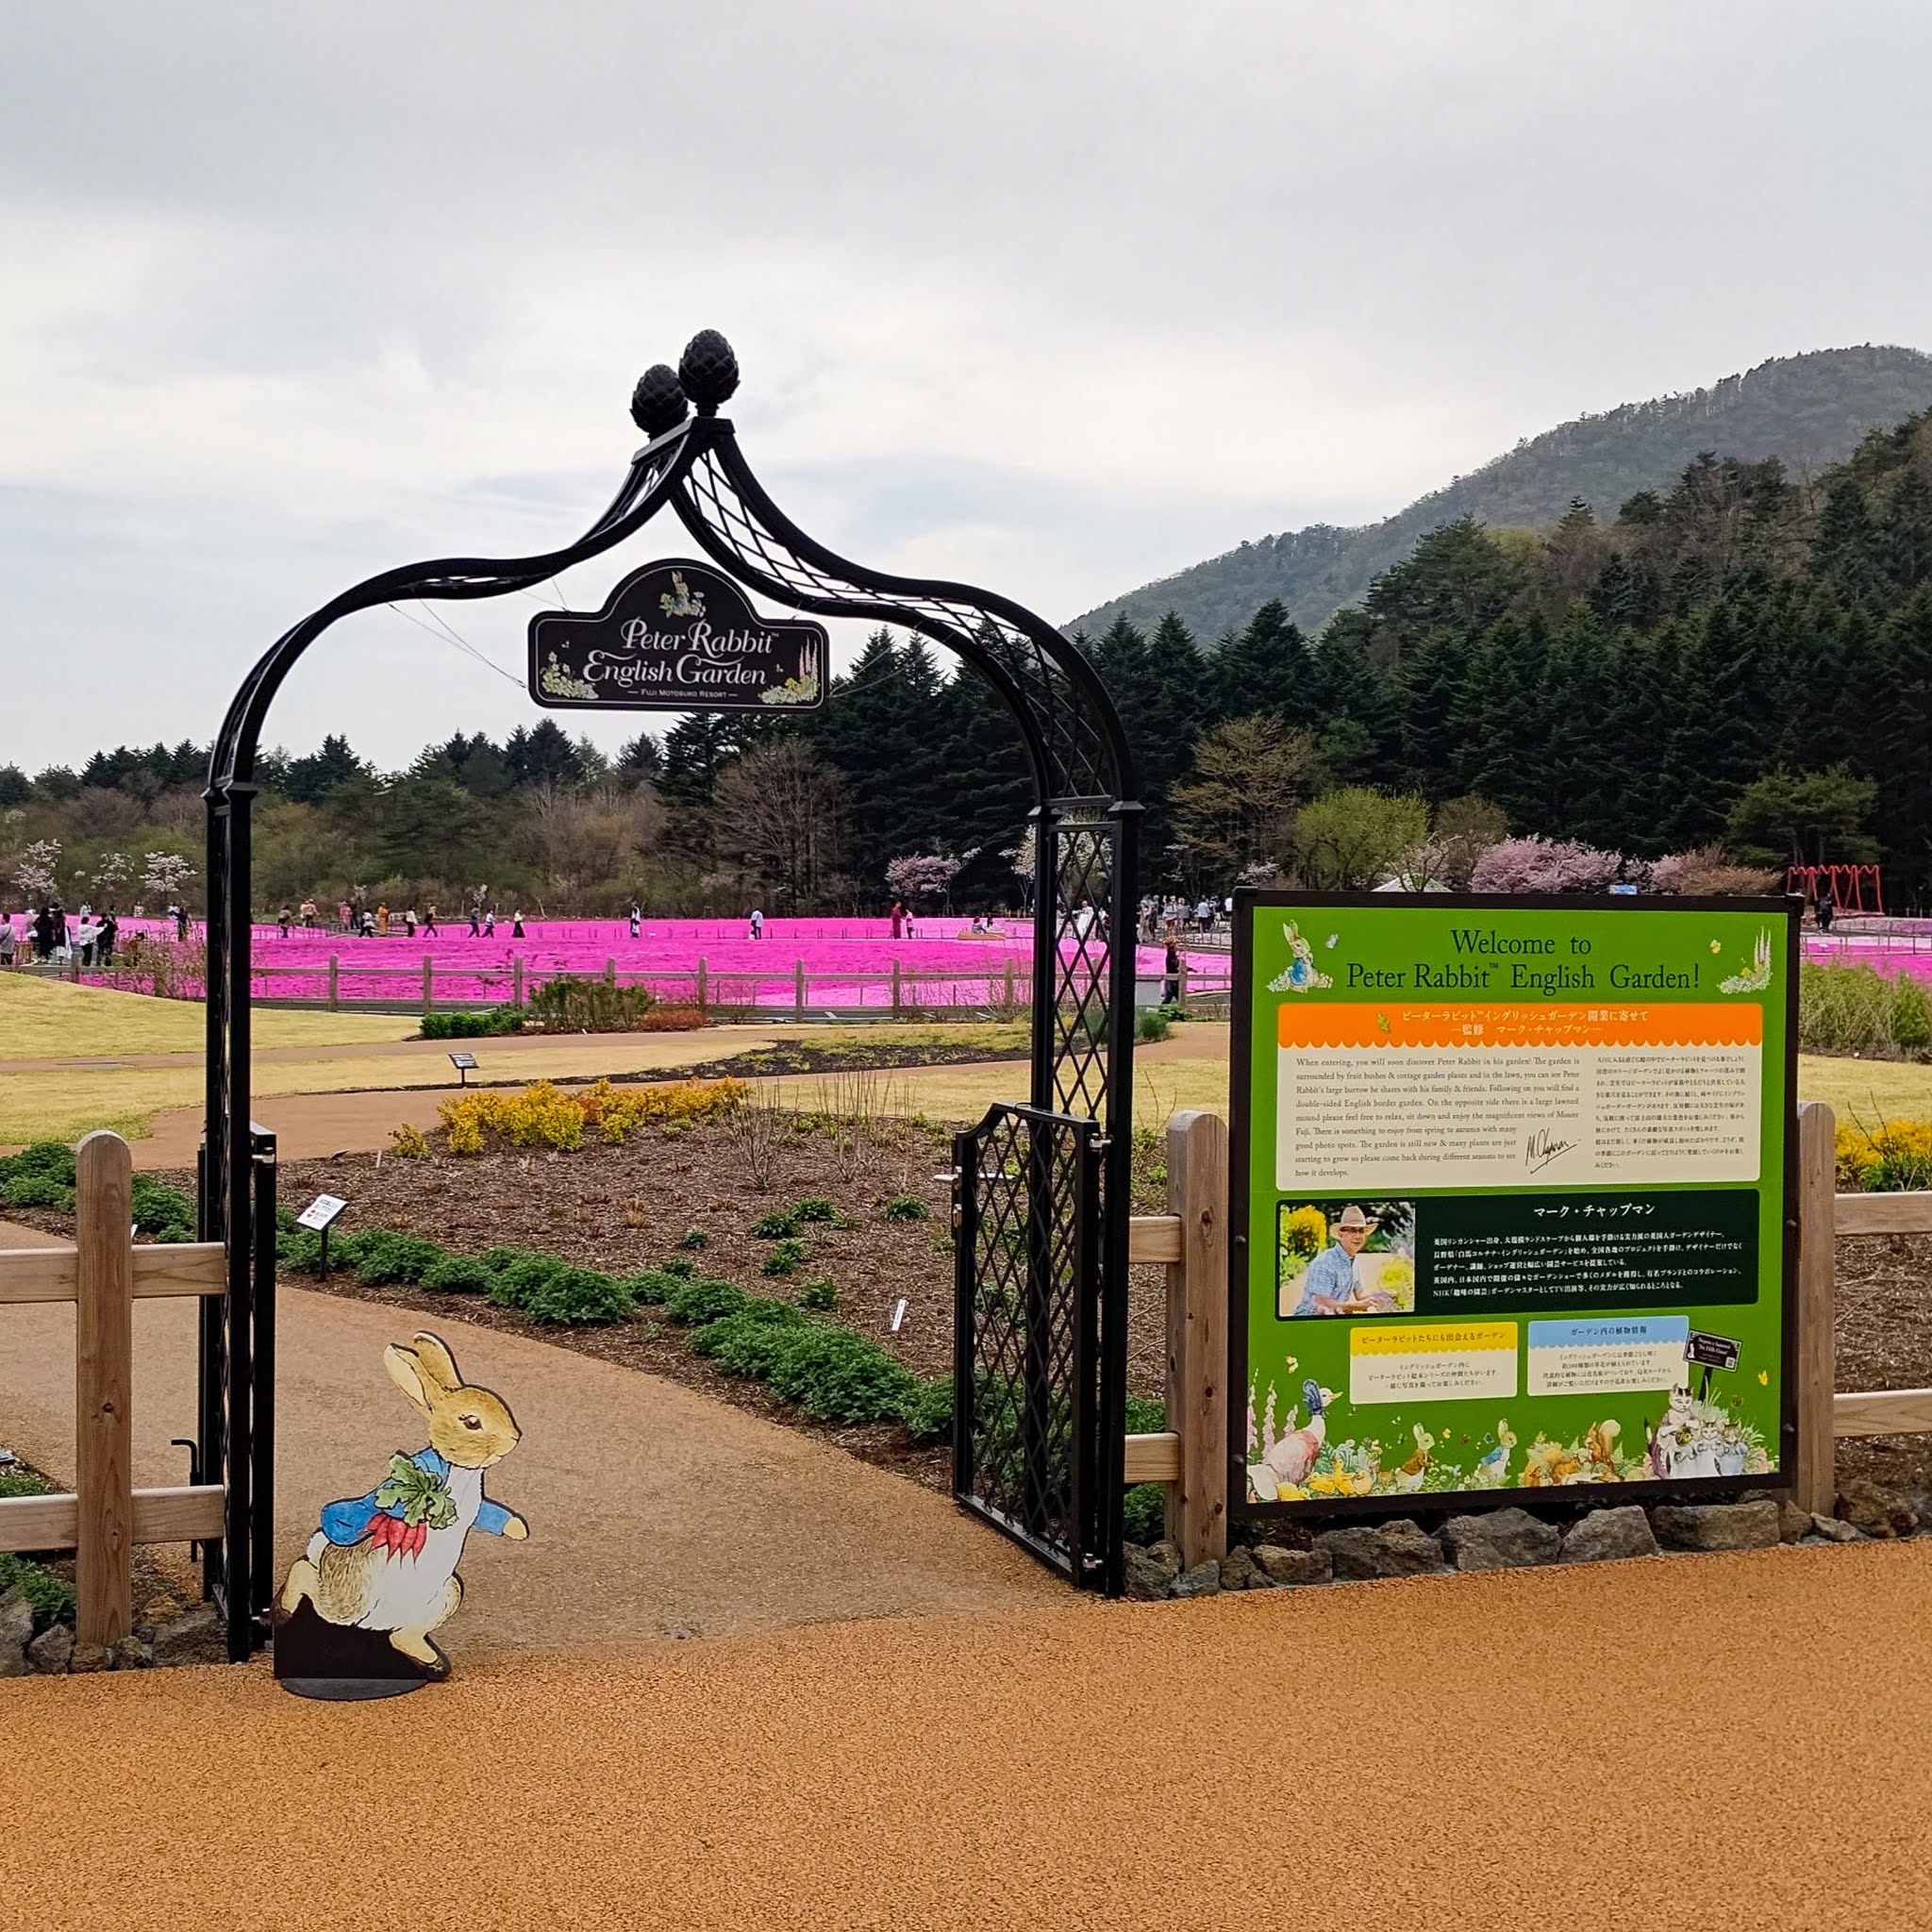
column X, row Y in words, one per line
column 167, row 1634
column 1513, row 1539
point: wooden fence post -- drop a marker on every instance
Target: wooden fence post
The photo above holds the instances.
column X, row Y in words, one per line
column 1814, row 1484
column 333, row 965
column 104, row 1384
column 428, row 982
column 798, row 991
column 516, row 981
column 1197, row 1291
column 895, row 989
column 1009, row 984
column 703, row 990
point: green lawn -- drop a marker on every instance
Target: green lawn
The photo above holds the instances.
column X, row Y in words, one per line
column 53, row 1019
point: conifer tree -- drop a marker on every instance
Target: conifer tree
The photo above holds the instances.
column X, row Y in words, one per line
column 1265, row 667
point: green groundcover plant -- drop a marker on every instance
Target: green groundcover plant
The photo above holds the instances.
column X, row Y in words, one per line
column 827, row 1371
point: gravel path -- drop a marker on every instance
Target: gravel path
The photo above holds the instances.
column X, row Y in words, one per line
column 1688, row 1742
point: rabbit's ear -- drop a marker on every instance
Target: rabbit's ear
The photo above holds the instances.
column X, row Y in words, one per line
column 437, row 1365
column 406, row 1371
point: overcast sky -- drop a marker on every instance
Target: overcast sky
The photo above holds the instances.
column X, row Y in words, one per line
column 1056, row 298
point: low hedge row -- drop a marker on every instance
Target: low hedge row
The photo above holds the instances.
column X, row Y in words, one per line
column 50, row 1599
column 487, row 1026
column 41, row 1175
column 829, row 1371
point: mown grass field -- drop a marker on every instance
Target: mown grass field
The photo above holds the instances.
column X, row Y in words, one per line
column 53, row 1019
column 45, row 1019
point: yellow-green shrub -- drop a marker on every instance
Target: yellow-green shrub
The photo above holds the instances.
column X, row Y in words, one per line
column 1891, row 1156
column 546, row 1115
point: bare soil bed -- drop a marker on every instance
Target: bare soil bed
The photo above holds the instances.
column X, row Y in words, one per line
column 623, row 1208
column 884, row 1055
column 1885, row 1341
column 626, row 1207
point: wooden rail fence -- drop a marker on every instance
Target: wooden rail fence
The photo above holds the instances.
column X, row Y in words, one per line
column 106, row 1272
column 1003, row 985
column 1190, row 1455
column 102, row 1274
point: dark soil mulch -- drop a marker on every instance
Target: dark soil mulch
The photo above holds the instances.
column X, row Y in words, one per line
column 627, row 1207
column 623, row 1208
column 805, row 1056
column 1885, row 1341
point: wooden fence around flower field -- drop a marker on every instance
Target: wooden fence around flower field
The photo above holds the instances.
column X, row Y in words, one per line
column 105, row 1515
column 1001, row 987
column 1190, row 1456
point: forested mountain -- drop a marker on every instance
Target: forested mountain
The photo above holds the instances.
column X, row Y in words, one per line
column 1744, row 657
column 1810, row 410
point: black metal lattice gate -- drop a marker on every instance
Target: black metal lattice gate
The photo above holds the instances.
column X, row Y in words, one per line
column 1040, row 1200
column 1028, row 1448
column 1054, row 1477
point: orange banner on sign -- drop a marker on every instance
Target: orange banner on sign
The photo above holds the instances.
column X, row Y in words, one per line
column 1436, row 1023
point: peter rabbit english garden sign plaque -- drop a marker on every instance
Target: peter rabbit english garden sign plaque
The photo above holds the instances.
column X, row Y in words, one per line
column 357, row 1611
column 677, row 637
column 1510, row 1179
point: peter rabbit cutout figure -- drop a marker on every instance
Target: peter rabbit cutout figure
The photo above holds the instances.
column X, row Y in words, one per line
column 380, row 1573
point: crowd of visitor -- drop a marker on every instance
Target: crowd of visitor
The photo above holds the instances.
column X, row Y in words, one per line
column 50, row 936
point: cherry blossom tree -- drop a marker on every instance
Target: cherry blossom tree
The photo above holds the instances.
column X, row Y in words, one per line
column 921, row 875
column 166, row 874
column 34, row 873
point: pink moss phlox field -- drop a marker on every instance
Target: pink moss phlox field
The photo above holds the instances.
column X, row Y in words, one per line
column 964, row 970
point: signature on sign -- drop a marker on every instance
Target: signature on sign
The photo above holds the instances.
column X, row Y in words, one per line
column 1544, row 1148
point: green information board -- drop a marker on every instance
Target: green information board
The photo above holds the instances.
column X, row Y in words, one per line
column 1510, row 1176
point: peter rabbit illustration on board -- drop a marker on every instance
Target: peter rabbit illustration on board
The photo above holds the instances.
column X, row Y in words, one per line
column 386, row 1562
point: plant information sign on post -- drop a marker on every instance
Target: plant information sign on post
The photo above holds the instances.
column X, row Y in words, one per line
column 1509, row 1177
column 676, row 637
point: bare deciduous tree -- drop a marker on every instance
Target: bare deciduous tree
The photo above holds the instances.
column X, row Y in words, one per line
column 778, row 812
column 579, row 836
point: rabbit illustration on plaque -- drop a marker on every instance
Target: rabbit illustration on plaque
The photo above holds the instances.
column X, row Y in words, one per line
column 385, row 1563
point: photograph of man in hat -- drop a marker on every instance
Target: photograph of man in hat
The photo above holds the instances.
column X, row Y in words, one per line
column 1331, row 1286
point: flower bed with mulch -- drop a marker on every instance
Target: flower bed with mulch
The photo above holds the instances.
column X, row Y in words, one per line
column 625, row 1208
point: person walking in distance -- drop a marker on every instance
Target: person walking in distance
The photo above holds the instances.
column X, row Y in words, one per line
column 757, row 924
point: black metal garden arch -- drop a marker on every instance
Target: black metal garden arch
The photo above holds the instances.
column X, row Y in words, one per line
column 1041, row 1189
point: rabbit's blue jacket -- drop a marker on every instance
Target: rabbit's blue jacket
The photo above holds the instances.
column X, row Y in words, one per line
column 348, row 1521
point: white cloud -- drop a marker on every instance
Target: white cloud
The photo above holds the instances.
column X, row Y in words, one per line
column 1062, row 298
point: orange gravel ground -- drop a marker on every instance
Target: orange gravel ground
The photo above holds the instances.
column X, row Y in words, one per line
column 1721, row 1741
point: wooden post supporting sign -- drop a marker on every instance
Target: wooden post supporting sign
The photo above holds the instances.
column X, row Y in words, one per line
column 1197, row 1289
column 1814, row 1484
